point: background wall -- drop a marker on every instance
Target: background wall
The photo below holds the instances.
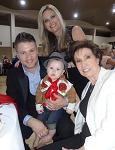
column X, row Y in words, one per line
column 98, row 39
column 5, row 36
column 5, row 51
column 5, row 44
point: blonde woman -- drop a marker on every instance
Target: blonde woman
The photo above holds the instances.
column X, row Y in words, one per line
column 55, row 36
column 52, row 29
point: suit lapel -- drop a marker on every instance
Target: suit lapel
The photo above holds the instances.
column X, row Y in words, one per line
column 103, row 76
column 24, row 83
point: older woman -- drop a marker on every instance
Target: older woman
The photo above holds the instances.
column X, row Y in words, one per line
column 94, row 124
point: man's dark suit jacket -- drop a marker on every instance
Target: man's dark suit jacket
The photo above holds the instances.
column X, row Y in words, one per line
column 18, row 88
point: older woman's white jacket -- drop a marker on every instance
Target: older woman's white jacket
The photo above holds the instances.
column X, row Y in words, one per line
column 100, row 115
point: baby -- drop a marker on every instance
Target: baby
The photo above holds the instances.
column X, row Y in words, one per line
column 54, row 83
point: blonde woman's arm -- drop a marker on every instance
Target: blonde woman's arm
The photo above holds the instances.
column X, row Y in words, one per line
column 78, row 34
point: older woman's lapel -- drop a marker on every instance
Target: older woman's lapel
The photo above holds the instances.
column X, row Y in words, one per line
column 103, row 76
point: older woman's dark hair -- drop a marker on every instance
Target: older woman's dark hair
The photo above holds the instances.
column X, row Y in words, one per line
column 87, row 44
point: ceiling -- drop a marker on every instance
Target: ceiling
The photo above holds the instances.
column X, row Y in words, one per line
column 95, row 12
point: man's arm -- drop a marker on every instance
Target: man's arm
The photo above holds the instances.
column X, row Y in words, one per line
column 14, row 90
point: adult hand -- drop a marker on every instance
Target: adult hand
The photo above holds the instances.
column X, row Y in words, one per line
column 67, row 149
column 59, row 103
column 71, row 65
column 81, row 148
column 38, row 127
column 17, row 64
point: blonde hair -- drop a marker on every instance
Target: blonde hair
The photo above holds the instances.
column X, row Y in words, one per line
column 43, row 33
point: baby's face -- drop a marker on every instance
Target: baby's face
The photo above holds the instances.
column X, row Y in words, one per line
column 55, row 69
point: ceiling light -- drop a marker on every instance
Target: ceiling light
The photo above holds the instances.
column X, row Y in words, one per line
column 113, row 9
column 107, row 23
column 23, row 2
column 75, row 15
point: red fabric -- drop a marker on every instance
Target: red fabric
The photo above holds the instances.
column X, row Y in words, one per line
column 51, row 90
column 62, row 87
column 4, row 99
column 43, row 84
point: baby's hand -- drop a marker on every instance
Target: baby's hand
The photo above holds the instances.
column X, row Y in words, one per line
column 40, row 111
column 39, row 108
column 69, row 111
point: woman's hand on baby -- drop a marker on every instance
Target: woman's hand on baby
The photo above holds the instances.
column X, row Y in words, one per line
column 69, row 111
column 73, row 149
column 71, row 65
column 81, row 148
column 67, row 149
column 58, row 103
column 17, row 64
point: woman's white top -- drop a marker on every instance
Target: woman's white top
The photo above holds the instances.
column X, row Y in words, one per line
column 100, row 115
column 10, row 134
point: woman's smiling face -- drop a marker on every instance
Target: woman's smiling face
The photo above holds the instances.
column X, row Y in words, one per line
column 87, row 63
column 51, row 21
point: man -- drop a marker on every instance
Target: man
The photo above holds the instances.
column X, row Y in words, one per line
column 22, row 83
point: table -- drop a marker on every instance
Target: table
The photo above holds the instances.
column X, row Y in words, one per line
column 10, row 134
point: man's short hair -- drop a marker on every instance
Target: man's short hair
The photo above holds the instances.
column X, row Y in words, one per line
column 24, row 37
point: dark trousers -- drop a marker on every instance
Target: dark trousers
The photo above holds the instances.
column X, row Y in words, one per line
column 73, row 142
column 51, row 117
column 26, row 133
column 64, row 135
column 64, row 128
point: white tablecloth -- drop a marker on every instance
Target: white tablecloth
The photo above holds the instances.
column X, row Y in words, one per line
column 10, row 134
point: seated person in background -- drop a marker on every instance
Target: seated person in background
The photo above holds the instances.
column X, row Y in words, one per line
column 54, row 83
column 112, row 53
column 10, row 134
column 107, row 61
column 6, row 65
column 14, row 60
